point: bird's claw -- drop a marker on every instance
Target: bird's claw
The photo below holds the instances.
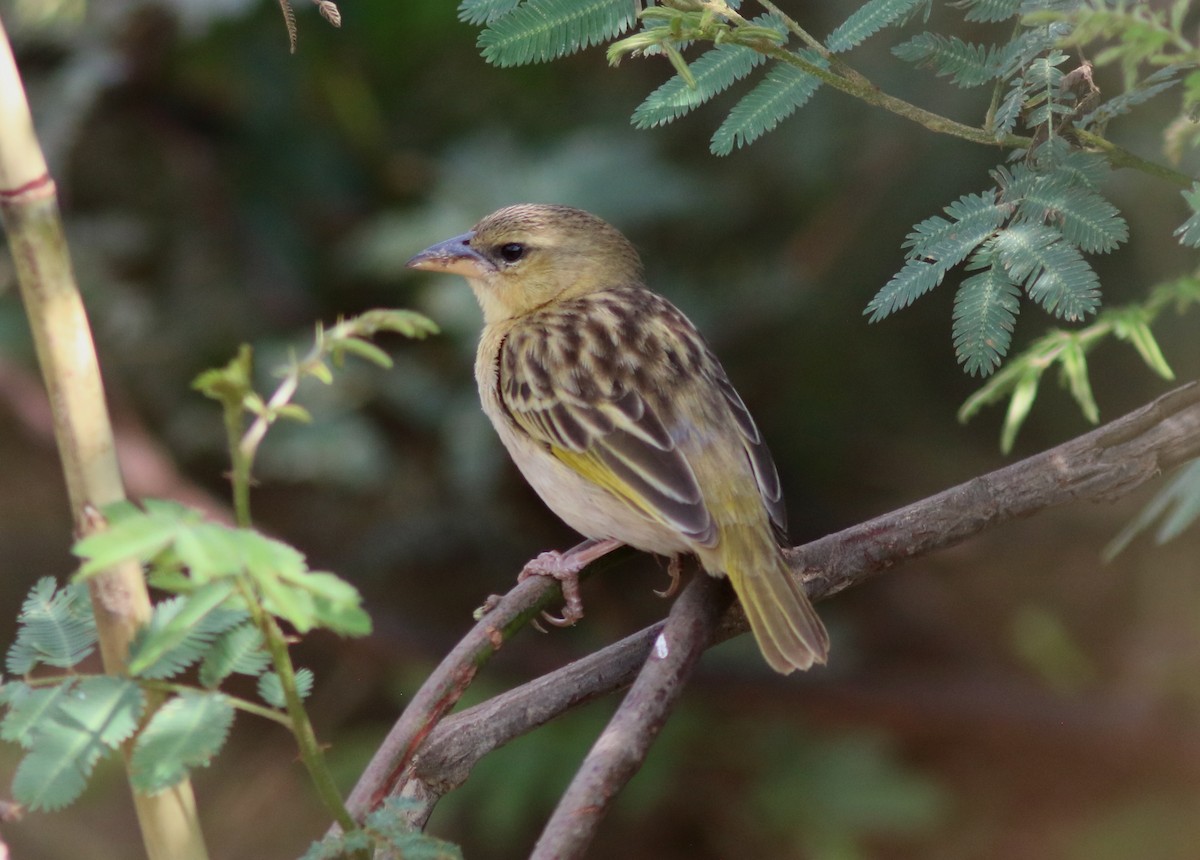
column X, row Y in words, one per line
column 674, row 570
column 564, row 568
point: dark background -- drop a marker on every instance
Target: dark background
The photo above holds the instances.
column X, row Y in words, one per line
column 1015, row 696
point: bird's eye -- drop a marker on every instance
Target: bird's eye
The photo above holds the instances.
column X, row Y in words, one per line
column 512, row 251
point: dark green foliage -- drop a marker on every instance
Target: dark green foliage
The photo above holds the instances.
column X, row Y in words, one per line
column 1142, row 91
column 870, row 18
column 1031, row 232
column 989, row 11
column 965, row 64
column 56, row 628
column 774, row 99
column 1189, row 232
column 541, row 30
column 712, row 72
column 985, row 312
column 385, row 828
column 935, row 246
column 1063, row 198
column 485, row 11
column 1053, row 273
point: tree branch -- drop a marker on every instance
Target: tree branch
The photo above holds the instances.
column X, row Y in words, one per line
column 1102, row 465
column 622, row 747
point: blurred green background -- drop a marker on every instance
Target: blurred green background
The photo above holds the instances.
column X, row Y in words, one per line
column 1011, row 697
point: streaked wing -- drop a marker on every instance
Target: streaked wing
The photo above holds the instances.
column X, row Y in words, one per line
column 765, row 473
column 563, row 380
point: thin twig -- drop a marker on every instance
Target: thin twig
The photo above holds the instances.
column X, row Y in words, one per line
column 1104, row 464
column 442, row 690
column 623, row 745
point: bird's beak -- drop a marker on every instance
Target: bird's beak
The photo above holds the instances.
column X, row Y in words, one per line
column 455, row 256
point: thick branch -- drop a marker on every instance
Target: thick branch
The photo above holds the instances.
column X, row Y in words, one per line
column 1104, row 464
column 622, row 747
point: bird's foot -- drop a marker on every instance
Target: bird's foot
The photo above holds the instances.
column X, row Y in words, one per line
column 565, row 567
column 674, row 570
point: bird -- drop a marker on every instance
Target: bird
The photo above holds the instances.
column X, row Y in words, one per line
column 619, row 415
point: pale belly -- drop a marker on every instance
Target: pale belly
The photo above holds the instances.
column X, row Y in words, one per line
column 591, row 510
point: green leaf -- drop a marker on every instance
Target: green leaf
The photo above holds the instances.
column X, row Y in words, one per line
column 1133, row 326
column 186, row 732
column 1019, row 405
column 973, row 218
column 1177, row 505
column 989, row 11
column 906, row 286
column 1085, row 219
column 1189, row 232
column 30, row 708
column 87, row 721
column 1146, row 89
column 1053, row 273
column 985, row 312
column 478, row 12
column 49, row 777
column 364, row 350
column 270, row 687
column 966, row 65
column 714, row 71
column 390, row 823
column 55, row 627
column 181, row 629
column 776, row 97
column 541, row 30
column 1074, row 369
column 869, row 19
column 935, row 246
column 1008, row 111
column 134, row 534
column 240, row 650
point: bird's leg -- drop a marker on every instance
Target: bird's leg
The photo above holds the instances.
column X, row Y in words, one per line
column 565, row 567
column 674, row 570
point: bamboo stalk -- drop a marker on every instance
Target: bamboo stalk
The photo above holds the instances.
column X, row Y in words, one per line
column 29, row 211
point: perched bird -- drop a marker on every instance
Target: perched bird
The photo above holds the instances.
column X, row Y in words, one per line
column 621, row 418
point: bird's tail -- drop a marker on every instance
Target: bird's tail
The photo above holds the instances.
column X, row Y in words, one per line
column 788, row 631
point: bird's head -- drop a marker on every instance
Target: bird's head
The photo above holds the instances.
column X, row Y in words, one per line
column 524, row 257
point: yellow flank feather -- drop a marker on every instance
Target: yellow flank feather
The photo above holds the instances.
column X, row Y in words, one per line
column 619, row 415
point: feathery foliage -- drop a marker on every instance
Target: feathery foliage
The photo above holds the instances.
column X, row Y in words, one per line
column 966, row 65
column 66, row 729
column 55, row 628
column 870, row 18
column 386, row 827
column 985, row 313
column 989, row 11
column 270, row 687
column 184, row 733
column 478, row 12
column 229, row 586
column 713, row 72
column 774, row 99
column 1189, row 231
column 1031, row 232
column 541, row 30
